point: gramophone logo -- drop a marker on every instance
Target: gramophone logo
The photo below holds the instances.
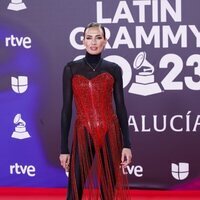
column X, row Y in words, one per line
column 20, row 129
column 19, row 84
column 145, row 81
column 16, row 5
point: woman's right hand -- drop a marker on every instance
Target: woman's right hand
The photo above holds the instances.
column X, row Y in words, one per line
column 65, row 161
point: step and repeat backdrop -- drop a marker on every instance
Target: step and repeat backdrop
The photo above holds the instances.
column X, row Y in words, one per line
column 155, row 42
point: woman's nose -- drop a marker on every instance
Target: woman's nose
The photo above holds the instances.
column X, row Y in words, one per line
column 93, row 41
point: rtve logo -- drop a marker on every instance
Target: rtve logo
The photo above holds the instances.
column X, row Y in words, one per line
column 20, row 169
column 180, row 171
column 18, row 42
column 136, row 170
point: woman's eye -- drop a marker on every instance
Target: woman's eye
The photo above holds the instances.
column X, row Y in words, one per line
column 99, row 38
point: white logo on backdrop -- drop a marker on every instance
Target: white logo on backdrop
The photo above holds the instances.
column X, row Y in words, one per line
column 19, row 84
column 137, row 170
column 15, row 41
column 180, row 171
column 20, row 130
column 20, row 169
column 16, row 5
column 145, row 81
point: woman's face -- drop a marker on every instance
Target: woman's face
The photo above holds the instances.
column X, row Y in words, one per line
column 94, row 40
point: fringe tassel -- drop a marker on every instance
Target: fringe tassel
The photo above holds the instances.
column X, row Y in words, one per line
column 100, row 160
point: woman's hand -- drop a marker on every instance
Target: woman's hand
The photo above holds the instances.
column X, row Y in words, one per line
column 126, row 157
column 64, row 161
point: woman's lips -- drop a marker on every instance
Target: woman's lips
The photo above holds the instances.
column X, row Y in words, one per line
column 93, row 48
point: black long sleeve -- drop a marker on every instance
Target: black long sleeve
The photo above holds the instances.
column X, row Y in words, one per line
column 120, row 106
column 66, row 113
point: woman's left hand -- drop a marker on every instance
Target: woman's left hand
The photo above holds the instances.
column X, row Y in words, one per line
column 126, row 157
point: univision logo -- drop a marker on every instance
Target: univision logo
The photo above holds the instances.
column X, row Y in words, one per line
column 180, row 171
column 19, row 84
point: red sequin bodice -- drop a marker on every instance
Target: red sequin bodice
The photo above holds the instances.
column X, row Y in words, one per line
column 93, row 100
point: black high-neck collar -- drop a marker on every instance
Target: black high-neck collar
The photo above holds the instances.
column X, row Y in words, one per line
column 94, row 59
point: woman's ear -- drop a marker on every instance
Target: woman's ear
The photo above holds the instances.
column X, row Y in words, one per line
column 105, row 42
column 83, row 42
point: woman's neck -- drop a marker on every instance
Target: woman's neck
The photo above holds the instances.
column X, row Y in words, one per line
column 92, row 59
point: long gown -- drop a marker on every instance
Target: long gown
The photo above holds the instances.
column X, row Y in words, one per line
column 99, row 134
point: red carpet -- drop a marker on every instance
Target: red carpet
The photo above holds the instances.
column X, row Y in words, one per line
column 60, row 194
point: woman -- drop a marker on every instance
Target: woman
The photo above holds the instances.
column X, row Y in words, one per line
column 101, row 141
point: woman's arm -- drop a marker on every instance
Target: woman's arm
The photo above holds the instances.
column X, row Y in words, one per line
column 120, row 106
column 66, row 113
column 121, row 111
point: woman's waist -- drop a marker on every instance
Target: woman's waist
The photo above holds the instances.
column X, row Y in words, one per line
column 96, row 119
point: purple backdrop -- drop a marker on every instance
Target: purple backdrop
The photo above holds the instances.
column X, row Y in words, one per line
column 156, row 43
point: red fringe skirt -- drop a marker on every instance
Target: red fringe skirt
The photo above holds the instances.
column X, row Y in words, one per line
column 99, row 153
